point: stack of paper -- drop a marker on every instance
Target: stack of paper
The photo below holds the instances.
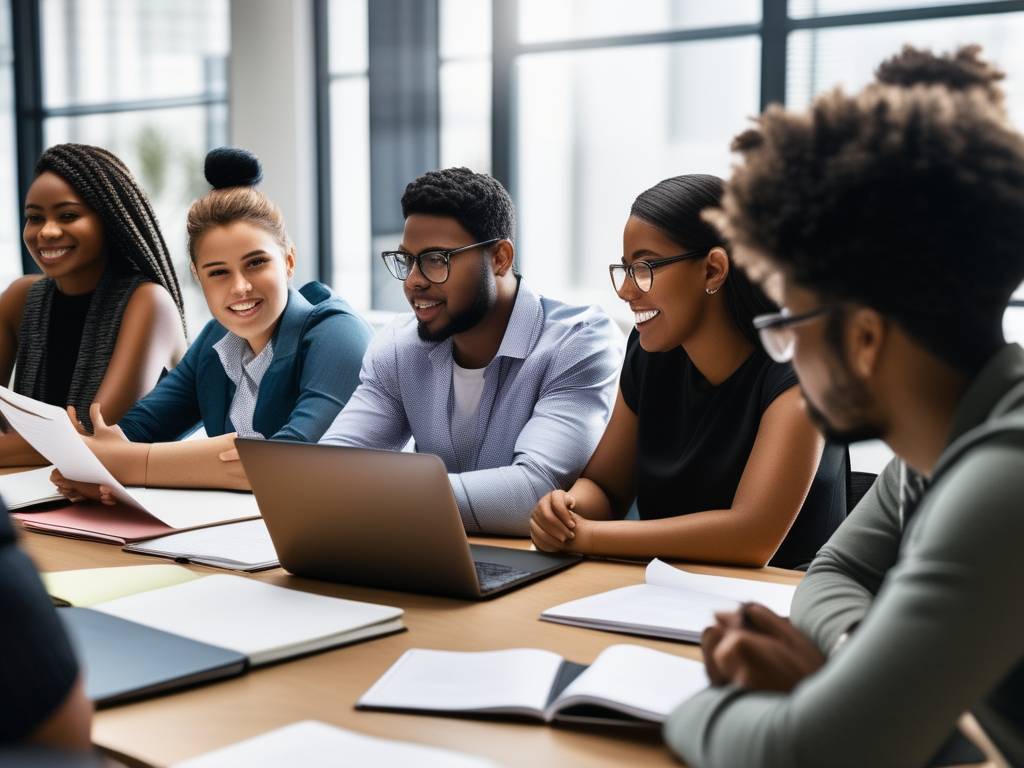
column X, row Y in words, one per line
column 673, row 603
column 237, row 546
column 312, row 744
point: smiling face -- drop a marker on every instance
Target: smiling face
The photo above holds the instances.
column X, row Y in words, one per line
column 666, row 315
column 63, row 234
column 462, row 301
column 244, row 275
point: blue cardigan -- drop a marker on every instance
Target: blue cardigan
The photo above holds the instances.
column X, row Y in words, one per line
column 318, row 349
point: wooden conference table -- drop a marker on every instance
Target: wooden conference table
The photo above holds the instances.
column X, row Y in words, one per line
column 325, row 686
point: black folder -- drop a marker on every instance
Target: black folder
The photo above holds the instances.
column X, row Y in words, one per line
column 123, row 660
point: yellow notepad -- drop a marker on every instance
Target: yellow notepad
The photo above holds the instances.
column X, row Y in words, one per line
column 90, row 586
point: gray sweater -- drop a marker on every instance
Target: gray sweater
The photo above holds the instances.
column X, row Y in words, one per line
column 936, row 598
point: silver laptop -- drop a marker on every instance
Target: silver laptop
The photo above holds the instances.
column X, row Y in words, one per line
column 380, row 519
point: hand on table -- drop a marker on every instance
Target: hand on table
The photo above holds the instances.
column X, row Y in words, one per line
column 75, row 491
column 754, row 648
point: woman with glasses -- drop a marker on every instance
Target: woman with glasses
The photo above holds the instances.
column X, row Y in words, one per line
column 708, row 435
column 275, row 362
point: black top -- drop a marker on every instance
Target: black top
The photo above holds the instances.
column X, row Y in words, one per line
column 694, row 439
column 37, row 666
column 67, row 320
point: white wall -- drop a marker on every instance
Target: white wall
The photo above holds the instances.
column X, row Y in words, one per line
column 272, row 86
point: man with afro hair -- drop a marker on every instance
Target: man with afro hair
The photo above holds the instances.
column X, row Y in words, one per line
column 889, row 225
column 512, row 390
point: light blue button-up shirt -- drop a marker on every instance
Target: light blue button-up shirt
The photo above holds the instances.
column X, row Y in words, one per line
column 548, row 394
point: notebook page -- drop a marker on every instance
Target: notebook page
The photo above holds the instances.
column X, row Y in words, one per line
column 20, row 489
column 778, row 597
column 246, row 543
column 187, row 508
column 261, row 620
column 636, row 680
column 89, row 586
column 516, row 680
column 312, row 744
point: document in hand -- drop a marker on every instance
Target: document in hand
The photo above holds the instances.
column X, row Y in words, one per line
column 48, row 429
column 673, row 603
column 89, row 586
column 626, row 684
column 244, row 546
column 265, row 622
column 313, row 744
column 25, row 489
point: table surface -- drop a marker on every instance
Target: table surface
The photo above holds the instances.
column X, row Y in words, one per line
column 325, row 686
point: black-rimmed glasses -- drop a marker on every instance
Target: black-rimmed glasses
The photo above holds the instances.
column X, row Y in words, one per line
column 642, row 271
column 776, row 331
column 434, row 265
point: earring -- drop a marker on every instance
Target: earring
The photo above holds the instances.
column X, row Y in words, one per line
column 710, row 291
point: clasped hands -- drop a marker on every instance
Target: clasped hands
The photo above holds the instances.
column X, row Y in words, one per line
column 555, row 527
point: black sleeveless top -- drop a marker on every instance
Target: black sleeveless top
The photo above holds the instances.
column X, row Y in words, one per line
column 694, row 439
column 87, row 356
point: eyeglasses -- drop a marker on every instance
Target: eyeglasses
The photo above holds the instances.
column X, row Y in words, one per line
column 434, row 265
column 776, row 331
column 642, row 272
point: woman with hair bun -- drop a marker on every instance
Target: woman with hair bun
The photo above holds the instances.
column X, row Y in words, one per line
column 708, row 435
column 104, row 319
column 274, row 362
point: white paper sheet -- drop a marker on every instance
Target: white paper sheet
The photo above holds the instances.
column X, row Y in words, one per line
column 312, row 744
column 637, row 680
column 22, row 489
column 778, row 597
column 49, row 430
column 512, row 681
column 263, row 621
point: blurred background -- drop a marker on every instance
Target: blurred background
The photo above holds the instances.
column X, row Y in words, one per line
column 576, row 105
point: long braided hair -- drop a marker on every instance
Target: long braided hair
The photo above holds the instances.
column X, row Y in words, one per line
column 132, row 238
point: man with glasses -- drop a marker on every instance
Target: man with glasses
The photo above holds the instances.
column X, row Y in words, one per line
column 889, row 225
column 510, row 389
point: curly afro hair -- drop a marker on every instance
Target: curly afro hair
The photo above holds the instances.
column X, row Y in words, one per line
column 907, row 197
column 479, row 202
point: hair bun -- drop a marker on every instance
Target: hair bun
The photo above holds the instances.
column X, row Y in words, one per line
column 232, row 167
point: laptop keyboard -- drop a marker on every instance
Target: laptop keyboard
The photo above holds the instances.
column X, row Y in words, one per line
column 494, row 575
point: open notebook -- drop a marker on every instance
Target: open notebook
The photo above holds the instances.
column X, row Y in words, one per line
column 672, row 603
column 626, row 684
column 312, row 744
column 143, row 512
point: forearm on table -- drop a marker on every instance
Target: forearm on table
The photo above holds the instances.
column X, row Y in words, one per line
column 593, row 503
column 195, row 464
column 16, row 452
column 715, row 536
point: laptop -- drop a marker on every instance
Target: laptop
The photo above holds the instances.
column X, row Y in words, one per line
column 380, row 519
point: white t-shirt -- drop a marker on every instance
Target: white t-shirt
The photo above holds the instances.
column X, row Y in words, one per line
column 467, row 388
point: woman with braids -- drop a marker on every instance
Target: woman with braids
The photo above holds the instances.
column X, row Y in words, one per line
column 708, row 435
column 275, row 362
column 105, row 317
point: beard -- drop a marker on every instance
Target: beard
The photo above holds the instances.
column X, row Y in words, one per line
column 848, row 397
column 483, row 300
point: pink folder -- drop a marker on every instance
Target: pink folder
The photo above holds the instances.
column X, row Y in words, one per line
column 118, row 524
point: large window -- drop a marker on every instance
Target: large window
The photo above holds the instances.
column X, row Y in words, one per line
column 10, row 237
column 145, row 79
